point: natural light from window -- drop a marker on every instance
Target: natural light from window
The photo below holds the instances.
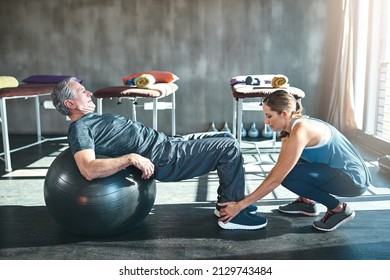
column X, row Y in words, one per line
column 372, row 68
column 383, row 100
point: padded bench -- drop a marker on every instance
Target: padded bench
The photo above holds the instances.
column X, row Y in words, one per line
column 156, row 92
column 243, row 91
column 22, row 91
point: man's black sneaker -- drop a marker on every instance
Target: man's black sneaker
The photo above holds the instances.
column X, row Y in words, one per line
column 245, row 220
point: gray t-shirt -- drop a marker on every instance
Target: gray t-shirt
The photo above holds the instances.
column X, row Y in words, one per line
column 113, row 135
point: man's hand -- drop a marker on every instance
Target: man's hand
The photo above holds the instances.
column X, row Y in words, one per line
column 92, row 168
column 143, row 164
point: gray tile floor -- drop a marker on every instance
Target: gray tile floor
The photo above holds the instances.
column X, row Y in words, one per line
column 181, row 224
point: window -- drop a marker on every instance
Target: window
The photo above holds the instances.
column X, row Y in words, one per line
column 382, row 128
column 372, row 70
column 382, row 123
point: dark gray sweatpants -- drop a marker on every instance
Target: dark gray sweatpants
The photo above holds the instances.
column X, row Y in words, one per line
column 197, row 154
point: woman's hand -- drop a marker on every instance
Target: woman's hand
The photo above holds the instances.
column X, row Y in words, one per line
column 228, row 211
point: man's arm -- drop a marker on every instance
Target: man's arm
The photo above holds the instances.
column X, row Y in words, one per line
column 92, row 168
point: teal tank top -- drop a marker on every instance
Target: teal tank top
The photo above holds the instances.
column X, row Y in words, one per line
column 339, row 153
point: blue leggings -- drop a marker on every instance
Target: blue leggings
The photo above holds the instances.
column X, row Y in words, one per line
column 197, row 154
column 320, row 182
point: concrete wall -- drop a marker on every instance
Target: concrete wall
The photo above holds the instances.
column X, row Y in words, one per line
column 204, row 42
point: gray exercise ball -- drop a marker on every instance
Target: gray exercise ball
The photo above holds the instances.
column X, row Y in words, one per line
column 99, row 207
